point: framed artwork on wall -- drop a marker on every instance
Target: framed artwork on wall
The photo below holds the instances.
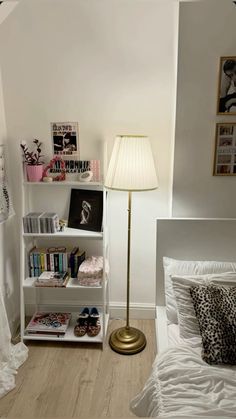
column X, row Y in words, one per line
column 86, row 210
column 226, row 101
column 225, row 149
column 65, row 138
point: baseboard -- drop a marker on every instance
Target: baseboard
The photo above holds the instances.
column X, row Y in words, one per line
column 137, row 310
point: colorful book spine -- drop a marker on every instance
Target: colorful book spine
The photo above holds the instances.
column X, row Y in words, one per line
column 56, row 262
column 76, row 261
column 60, row 259
column 35, row 256
column 65, row 262
column 72, row 261
column 42, row 262
column 51, row 259
column 51, row 262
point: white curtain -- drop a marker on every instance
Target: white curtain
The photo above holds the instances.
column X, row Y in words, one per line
column 6, row 208
column 11, row 356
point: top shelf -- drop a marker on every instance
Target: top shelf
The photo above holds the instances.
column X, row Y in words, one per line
column 65, row 183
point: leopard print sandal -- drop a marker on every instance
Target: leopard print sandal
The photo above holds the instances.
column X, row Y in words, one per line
column 94, row 324
column 81, row 327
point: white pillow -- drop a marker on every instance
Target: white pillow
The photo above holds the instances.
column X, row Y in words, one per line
column 188, row 323
column 183, row 267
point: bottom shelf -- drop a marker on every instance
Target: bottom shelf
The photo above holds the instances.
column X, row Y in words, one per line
column 69, row 335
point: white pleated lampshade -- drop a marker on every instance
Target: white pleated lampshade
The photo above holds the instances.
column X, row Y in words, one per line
column 131, row 167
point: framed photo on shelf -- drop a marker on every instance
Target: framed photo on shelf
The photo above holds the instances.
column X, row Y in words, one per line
column 65, row 138
column 226, row 102
column 225, row 149
column 86, row 210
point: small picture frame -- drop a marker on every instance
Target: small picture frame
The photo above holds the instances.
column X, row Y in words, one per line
column 65, row 138
column 86, row 210
column 226, row 101
column 225, row 149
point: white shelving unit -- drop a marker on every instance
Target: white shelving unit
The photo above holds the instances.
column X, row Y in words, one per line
column 73, row 297
column 68, row 232
column 63, row 184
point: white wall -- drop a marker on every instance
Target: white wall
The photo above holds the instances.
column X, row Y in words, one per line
column 6, row 8
column 207, row 32
column 110, row 65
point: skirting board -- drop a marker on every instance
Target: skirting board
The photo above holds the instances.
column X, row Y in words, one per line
column 139, row 311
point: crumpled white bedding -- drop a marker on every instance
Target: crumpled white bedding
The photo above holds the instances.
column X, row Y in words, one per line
column 8, row 368
column 183, row 385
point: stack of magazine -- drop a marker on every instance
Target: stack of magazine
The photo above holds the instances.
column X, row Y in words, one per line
column 41, row 222
column 43, row 323
column 52, row 279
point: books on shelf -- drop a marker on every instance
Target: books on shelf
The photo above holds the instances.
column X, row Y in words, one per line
column 76, row 259
column 52, row 279
column 47, row 259
column 47, row 323
column 41, row 222
column 49, row 222
column 31, row 222
column 55, row 259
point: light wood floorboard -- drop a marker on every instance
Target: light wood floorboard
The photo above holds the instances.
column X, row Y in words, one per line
column 70, row 380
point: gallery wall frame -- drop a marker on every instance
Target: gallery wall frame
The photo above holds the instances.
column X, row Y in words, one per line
column 65, row 138
column 226, row 97
column 225, row 149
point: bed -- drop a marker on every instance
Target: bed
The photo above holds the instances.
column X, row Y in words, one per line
column 181, row 383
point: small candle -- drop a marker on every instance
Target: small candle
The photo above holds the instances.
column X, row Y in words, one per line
column 47, row 179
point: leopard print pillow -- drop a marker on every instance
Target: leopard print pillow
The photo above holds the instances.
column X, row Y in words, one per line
column 215, row 308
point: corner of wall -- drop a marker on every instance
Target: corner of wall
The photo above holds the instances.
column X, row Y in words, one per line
column 175, row 61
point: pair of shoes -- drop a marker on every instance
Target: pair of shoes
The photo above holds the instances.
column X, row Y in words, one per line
column 88, row 322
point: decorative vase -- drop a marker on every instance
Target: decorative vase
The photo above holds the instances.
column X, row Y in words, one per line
column 34, row 172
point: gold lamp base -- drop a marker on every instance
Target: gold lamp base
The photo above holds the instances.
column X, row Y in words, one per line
column 127, row 340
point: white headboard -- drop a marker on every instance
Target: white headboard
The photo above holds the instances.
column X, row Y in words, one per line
column 193, row 239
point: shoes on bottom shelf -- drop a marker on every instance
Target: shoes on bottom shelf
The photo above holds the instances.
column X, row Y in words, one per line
column 88, row 322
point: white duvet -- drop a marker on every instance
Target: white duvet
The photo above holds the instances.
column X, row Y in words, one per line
column 183, row 385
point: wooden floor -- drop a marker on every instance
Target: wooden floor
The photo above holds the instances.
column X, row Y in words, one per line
column 70, row 380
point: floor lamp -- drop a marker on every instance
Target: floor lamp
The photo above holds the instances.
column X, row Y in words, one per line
column 131, row 169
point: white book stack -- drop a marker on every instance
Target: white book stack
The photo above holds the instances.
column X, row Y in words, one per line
column 41, row 222
column 49, row 222
column 31, row 222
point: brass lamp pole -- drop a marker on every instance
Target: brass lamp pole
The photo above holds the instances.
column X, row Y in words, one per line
column 131, row 168
column 128, row 340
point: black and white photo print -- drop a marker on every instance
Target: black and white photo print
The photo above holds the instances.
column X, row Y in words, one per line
column 86, row 210
column 65, row 138
column 226, row 103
